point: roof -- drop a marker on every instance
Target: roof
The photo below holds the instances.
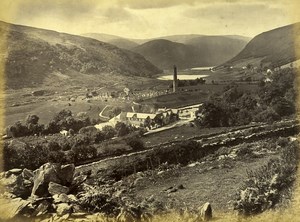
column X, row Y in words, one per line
column 141, row 115
column 101, row 125
column 115, row 119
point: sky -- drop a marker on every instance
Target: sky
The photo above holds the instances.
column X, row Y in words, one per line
column 151, row 18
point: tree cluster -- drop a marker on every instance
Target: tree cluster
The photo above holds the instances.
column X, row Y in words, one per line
column 64, row 120
column 79, row 146
column 191, row 82
column 271, row 102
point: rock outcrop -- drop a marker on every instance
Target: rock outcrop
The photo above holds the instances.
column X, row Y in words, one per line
column 36, row 193
column 206, row 212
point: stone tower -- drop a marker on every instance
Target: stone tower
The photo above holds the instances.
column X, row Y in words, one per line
column 175, row 79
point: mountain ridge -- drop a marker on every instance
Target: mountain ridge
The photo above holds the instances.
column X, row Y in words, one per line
column 34, row 54
column 275, row 47
column 196, row 52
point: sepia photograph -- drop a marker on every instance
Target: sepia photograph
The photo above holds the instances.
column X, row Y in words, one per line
column 149, row 111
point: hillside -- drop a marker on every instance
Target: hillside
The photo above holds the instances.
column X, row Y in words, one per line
column 214, row 50
column 118, row 41
column 123, row 43
column 164, row 54
column 36, row 54
column 185, row 39
column 276, row 47
column 197, row 51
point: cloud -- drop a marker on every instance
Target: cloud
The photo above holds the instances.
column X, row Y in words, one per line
column 143, row 4
column 144, row 19
column 116, row 14
column 69, row 9
column 232, row 11
column 250, row 18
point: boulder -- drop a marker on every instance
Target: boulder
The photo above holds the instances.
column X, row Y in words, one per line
column 72, row 198
column 61, row 198
column 180, row 187
column 20, row 189
column 10, row 208
column 42, row 208
column 27, row 174
column 2, row 175
column 14, row 171
column 55, row 188
column 9, row 181
column 206, row 212
column 63, row 208
column 79, row 180
column 66, row 174
column 44, row 175
column 15, row 185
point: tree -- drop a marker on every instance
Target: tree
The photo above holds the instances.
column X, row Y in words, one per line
column 32, row 119
column 249, row 66
column 247, row 101
column 147, row 123
column 84, row 152
column 17, row 130
column 212, row 115
column 53, row 146
column 116, row 111
column 98, row 137
column 135, row 143
column 109, row 132
column 62, row 115
column 122, row 129
column 268, row 115
column 89, row 130
column 283, row 107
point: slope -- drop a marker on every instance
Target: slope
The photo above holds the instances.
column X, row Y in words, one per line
column 196, row 52
column 164, row 54
column 272, row 48
column 34, row 54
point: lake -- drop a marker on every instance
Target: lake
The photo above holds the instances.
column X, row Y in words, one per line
column 181, row 77
column 202, row 68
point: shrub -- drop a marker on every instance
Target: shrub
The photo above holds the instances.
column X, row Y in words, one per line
column 268, row 115
column 262, row 189
column 84, row 152
column 109, row 132
column 94, row 200
column 122, row 129
column 135, row 143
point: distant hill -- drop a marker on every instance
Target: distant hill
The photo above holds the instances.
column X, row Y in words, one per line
column 275, row 47
column 35, row 54
column 185, row 39
column 123, row 43
column 197, row 50
column 215, row 50
column 165, row 53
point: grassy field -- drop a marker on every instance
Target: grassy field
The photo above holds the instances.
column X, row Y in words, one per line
column 189, row 96
column 47, row 109
column 215, row 178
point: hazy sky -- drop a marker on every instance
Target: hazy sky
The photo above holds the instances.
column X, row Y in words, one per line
column 151, row 18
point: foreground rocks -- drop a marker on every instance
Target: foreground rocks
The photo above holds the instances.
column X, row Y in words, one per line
column 54, row 193
column 29, row 193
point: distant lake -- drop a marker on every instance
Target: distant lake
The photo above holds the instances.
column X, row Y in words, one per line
column 202, row 68
column 181, row 77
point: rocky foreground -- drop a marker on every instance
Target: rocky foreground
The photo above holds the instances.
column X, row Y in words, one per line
column 108, row 191
column 54, row 192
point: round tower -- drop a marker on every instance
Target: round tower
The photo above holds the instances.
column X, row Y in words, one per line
column 175, row 79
